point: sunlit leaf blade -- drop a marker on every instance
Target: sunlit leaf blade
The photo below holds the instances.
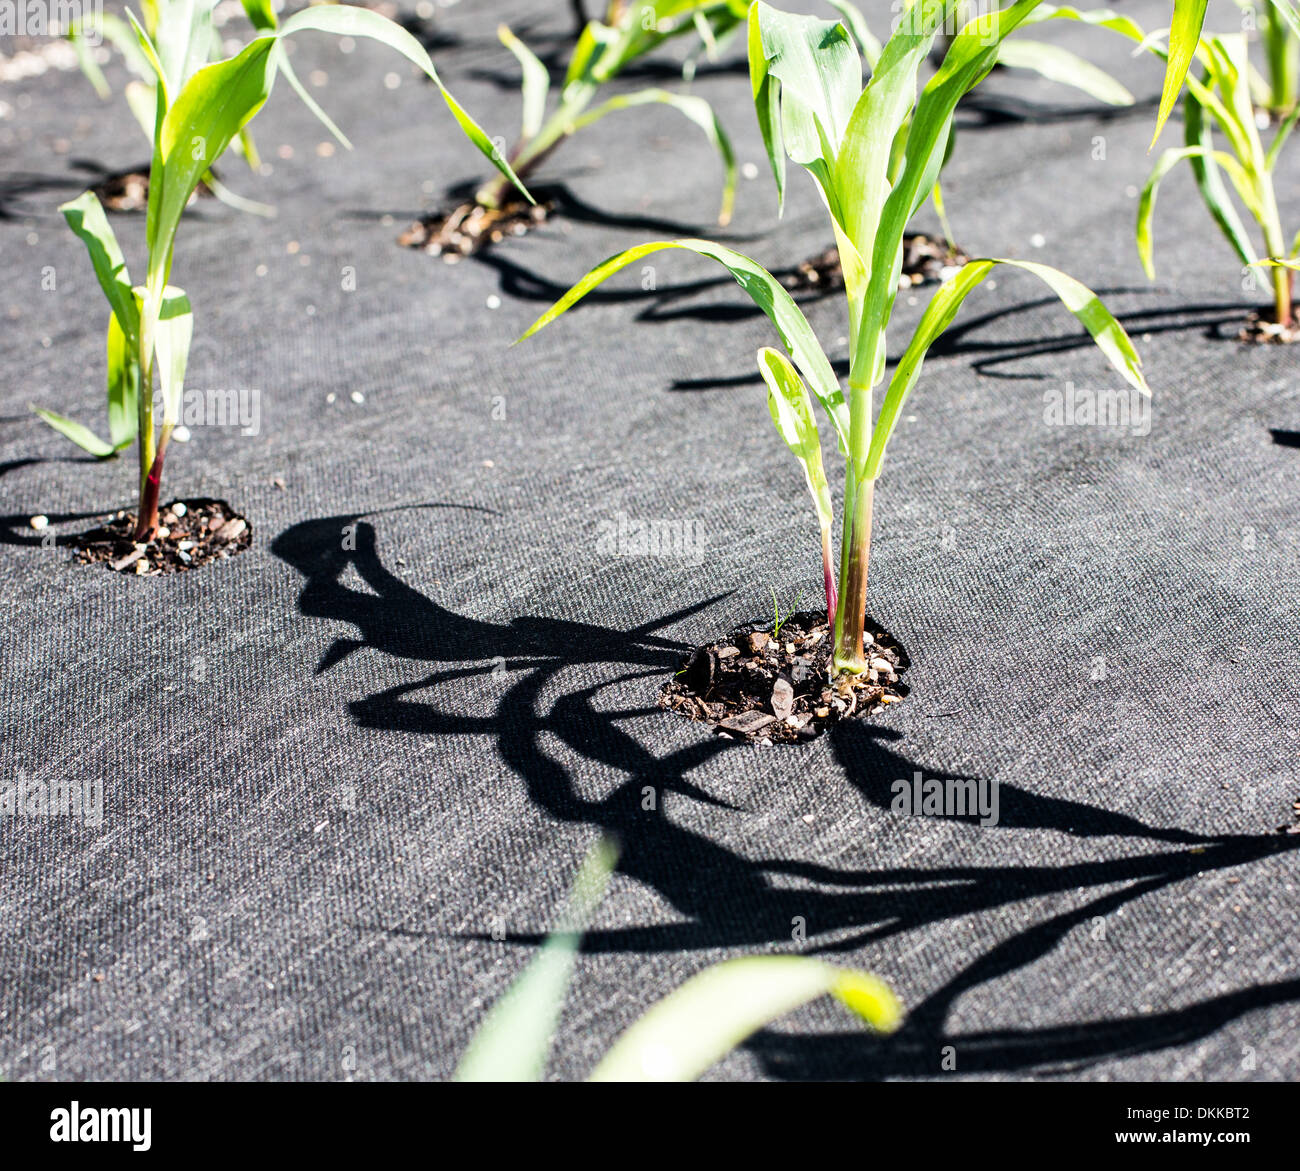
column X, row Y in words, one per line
column 691, row 1029
column 1086, row 306
column 85, row 216
column 261, row 13
column 172, row 337
column 350, row 21
column 123, row 385
column 536, row 83
column 791, row 409
column 764, row 290
column 79, row 433
column 515, row 1037
column 698, row 111
column 817, row 66
column 1065, row 68
column 868, row 45
column 1197, row 136
column 971, row 55
column 285, row 66
column 767, row 105
column 213, row 107
column 1184, row 36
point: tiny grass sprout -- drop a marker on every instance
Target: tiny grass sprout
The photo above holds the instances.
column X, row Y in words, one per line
column 776, row 612
column 813, row 110
column 681, row 1036
column 198, row 111
column 1221, row 97
column 603, row 51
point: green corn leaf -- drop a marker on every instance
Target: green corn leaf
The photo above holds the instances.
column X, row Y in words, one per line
column 1196, row 134
column 87, row 63
column 85, row 216
column 698, row 111
column 514, row 1039
column 972, row 54
column 123, row 386
column 1077, row 298
column 172, row 337
column 261, row 13
column 285, row 66
column 1184, row 37
column 348, row 20
column 856, row 23
column 142, row 101
column 1065, row 68
column 1279, row 140
column 79, row 433
column 150, row 55
column 691, row 1029
column 536, row 84
column 791, row 409
column 213, row 107
column 815, row 64
column 764, row 290
column 767, row 106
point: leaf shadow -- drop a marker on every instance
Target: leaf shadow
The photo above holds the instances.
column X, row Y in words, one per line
column 535, row 682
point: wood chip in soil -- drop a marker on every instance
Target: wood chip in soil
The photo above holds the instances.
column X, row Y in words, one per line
column 925, row 261
column 193, row 533
column 469, row 227
column 759, row 687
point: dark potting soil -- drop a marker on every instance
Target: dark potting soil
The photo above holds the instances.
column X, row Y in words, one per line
column 757, row 686
column 192, row 533
column 924, row 262
column 470, row 227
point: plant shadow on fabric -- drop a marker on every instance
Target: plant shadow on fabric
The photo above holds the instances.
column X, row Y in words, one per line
column 725, row 899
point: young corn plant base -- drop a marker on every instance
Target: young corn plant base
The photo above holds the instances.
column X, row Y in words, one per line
column 926, row 261
column 192, row 533
column 470, row 227
column 753, row 686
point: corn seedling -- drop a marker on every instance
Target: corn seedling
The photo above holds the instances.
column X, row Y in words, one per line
column 1221, row 97
column 196, row 116
column 182, row 37
column 1050, row 61
column 813, row 110
column 680, row 1037
column 605, row 49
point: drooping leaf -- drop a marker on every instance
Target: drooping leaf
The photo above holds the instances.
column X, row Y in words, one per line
column 1086, row 306
column 1065, row 68
column 698, row 111
column 790, row 406
column 764, row 290
column 85, row 216
column 691, row 1029
column 351, row 21
column 79, row 433
column 515, row 1037
column 1147, row 203
column 1196, row 134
